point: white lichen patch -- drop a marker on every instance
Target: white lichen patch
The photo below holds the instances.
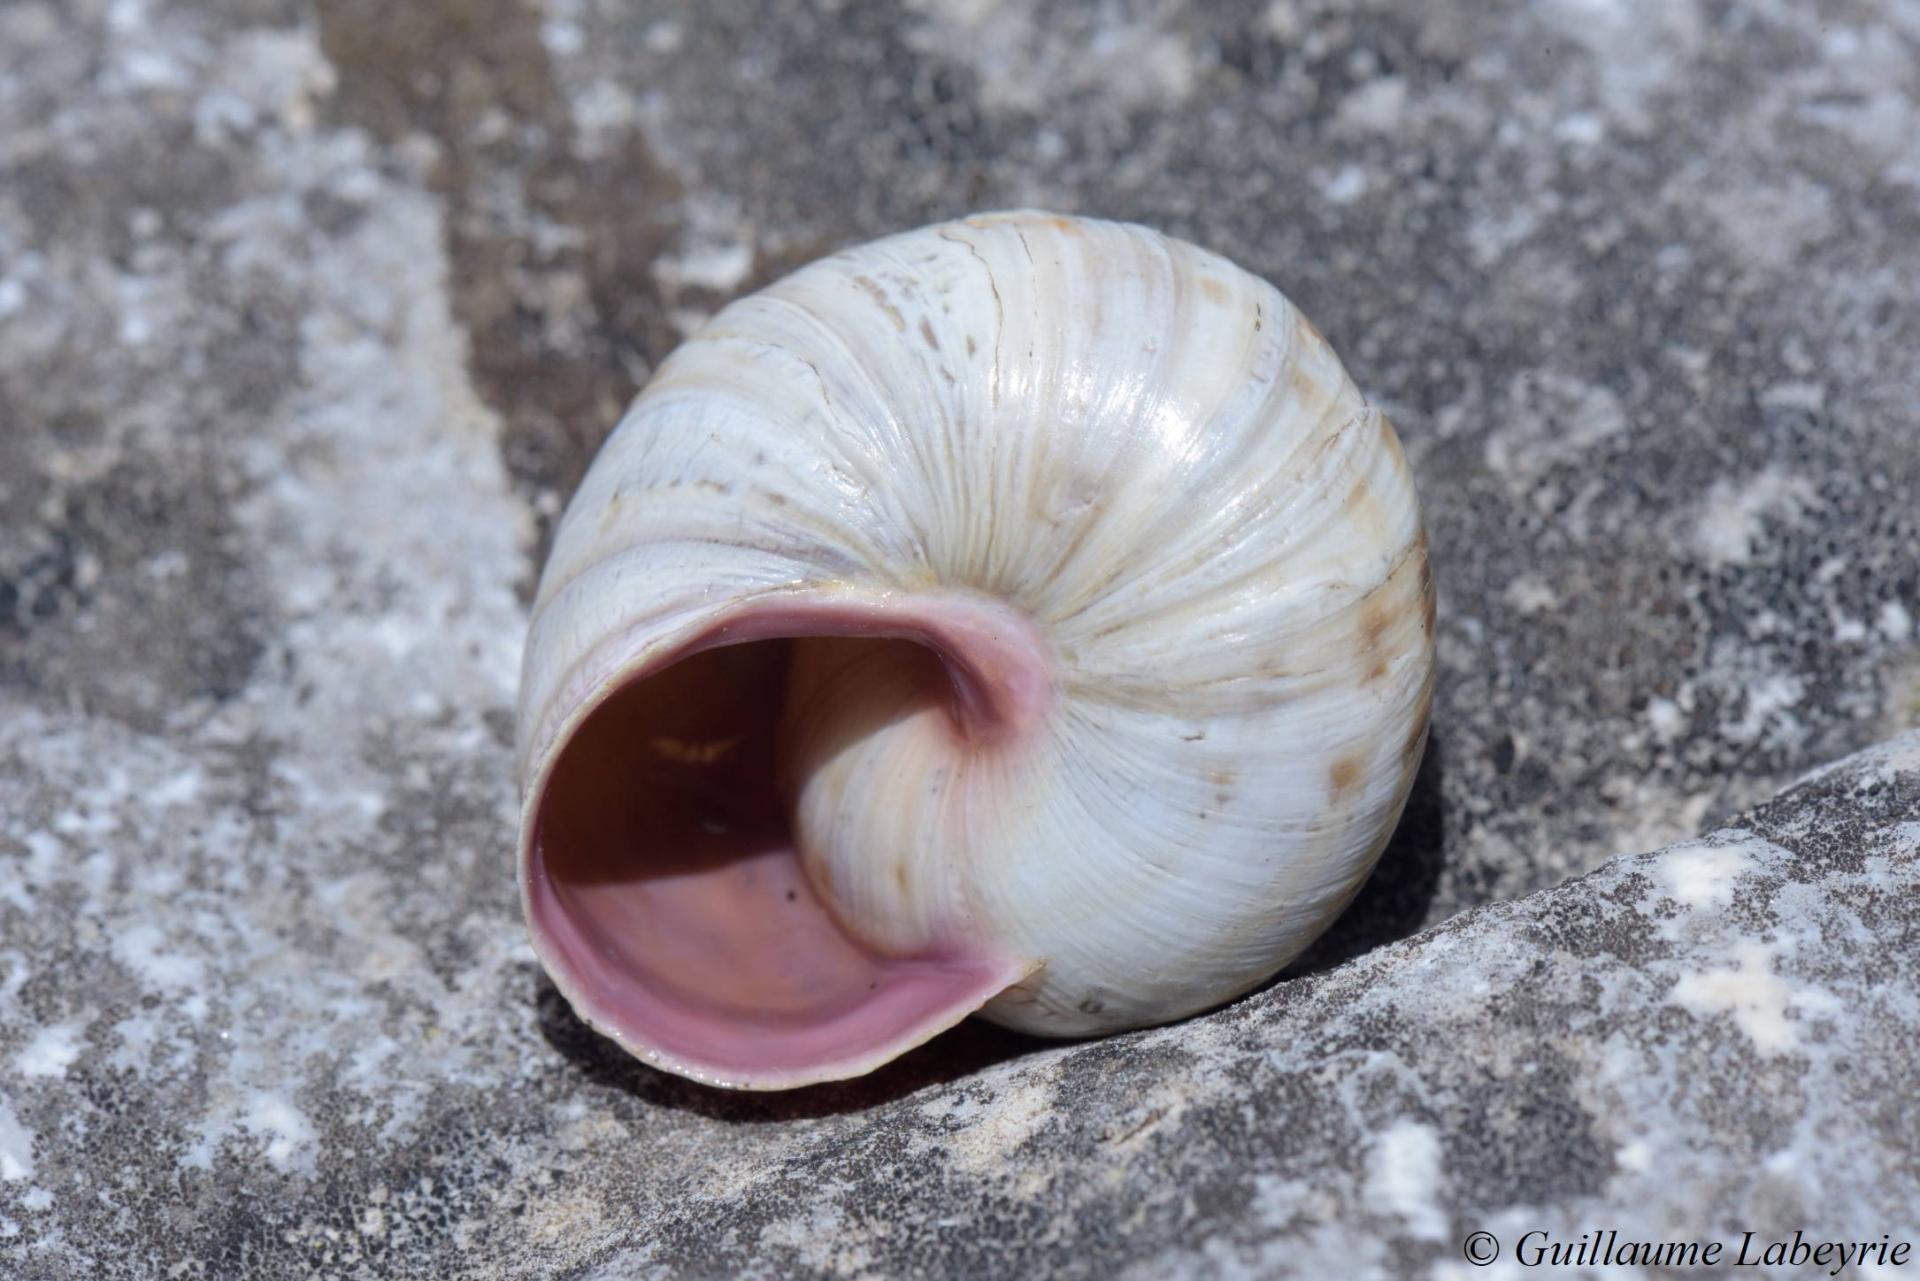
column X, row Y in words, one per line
column 1638, row 48
column 1551, row 418
column 1001, row 1126
column 1701, row 875
column 284, row 1133
column 145, row 949
column 1634, row 1156
column 51, row 1051
column 1747, row 987
column 717, row 267
column 1344, row 185
column 1730, row 518
column 1529, row 594
column 16, row 1147
column 821, row 1239
column 1376, row 107
column 1665, row 720
column 1405, row 1178
column 1767, row 220
column 1895, row 622
column 1842, row 93
column 1767, row 714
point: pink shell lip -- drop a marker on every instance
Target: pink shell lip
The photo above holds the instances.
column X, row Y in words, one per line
column 664, row 898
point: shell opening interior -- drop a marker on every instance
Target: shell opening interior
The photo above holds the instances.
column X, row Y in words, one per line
column 666, row 892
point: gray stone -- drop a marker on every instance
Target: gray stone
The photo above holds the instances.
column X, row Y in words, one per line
column 311, row 314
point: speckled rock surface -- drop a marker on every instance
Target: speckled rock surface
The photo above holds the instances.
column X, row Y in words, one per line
column 310, row 315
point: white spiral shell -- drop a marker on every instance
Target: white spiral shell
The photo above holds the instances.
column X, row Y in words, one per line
column 1174, row 565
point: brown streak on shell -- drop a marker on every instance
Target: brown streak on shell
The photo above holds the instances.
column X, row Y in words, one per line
column 1376, row 616
column 1428, row 605
column 1306, row 388
column 1309, row 328
column 879, row 295
column 1363, row 509
column 1417, row 727
column 1417, row 738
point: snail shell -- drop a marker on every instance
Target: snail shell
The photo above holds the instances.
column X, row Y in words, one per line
column 1024, row 615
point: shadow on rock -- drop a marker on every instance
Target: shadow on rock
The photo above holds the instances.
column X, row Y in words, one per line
column 1393, row 904
column 950, row 1056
